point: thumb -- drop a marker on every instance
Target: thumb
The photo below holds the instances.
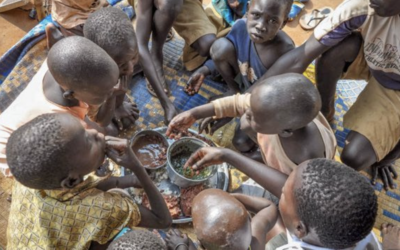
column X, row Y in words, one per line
column 113, row 154
column 202, row 163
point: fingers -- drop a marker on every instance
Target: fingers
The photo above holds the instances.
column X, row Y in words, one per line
column 204, row 125
column 116, row 143
column 389, row 177
column 119, row 124
column 170, row 128
column 217, row 125
column 374, row 175
column 384, row 178
column 193, row 158
column 113, row 155
column 393, row 171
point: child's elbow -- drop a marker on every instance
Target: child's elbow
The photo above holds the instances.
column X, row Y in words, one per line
column 166, row 222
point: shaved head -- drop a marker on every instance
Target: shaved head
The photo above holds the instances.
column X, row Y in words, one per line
column 212, row 212
column 284, row 102
column 78, row 62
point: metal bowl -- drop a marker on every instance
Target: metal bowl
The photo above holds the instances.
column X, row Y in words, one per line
column 151, row 133
column 185, row 144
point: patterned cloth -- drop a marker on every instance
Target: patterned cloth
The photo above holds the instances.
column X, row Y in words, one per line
column 68, row 219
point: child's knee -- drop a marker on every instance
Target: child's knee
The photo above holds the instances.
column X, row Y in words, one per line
column 220, row 49
column 242, row 142
column 203, row 44
column 357, row 156
column 169, row 7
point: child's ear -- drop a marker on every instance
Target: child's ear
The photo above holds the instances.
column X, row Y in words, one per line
column 71, row 181
column 284, row 23
column 286, row 133
column 301, row 230
column 68, row 94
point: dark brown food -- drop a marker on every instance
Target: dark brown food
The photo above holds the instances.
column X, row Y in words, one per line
column 150, row 150
column 172, row 204
column 187, row 196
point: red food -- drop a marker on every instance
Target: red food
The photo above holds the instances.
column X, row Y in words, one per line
column 187, row 196
column 172, row 204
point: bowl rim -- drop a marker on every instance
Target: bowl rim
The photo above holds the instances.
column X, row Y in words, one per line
column 214, row 167
column 143, row 133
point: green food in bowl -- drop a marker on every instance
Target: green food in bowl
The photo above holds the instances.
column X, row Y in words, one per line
column 179, row 160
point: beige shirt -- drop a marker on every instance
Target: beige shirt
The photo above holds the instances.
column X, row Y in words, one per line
column 71, row 13
column 28, row 105
column 270, row 145
column 381, row 38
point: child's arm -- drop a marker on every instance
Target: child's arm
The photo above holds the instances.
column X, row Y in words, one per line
column 264, row 220
column 119, row 182
column 294, row 61
column 269, row 178
column 159, row 216
column 182, row 122
column 231, row 106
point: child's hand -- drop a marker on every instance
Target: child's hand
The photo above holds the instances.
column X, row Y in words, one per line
column 196, row 80
column 119, row 150
column 205, row 157
column 210, row 125
column 387, row 173
column 175, row 239
column 180, row 124
column 127, row 111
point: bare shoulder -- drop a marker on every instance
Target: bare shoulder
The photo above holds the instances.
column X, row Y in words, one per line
column 284, row 42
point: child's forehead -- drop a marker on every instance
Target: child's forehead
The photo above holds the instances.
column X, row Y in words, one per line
column 266, row 5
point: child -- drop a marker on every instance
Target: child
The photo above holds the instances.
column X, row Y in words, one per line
column 138, row 240
column 321, row 207
column 111, row 29
column 155, row 18
column 284, row 111
column 57, row 202
column 248, row 51
column 77, row 77
column 359, row 40
column 251, row 47
column 212, row 209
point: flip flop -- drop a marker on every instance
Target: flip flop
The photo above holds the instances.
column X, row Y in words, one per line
column 310, row 21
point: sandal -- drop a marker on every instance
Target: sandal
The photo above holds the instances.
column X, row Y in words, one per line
column 310, row 21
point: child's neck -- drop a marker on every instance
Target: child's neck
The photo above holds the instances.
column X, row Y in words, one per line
column 304, row 144
column 54, row 93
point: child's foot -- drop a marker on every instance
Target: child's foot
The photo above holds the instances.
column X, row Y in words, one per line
column 391, row 237
column 53, row 35
column 164, row 84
